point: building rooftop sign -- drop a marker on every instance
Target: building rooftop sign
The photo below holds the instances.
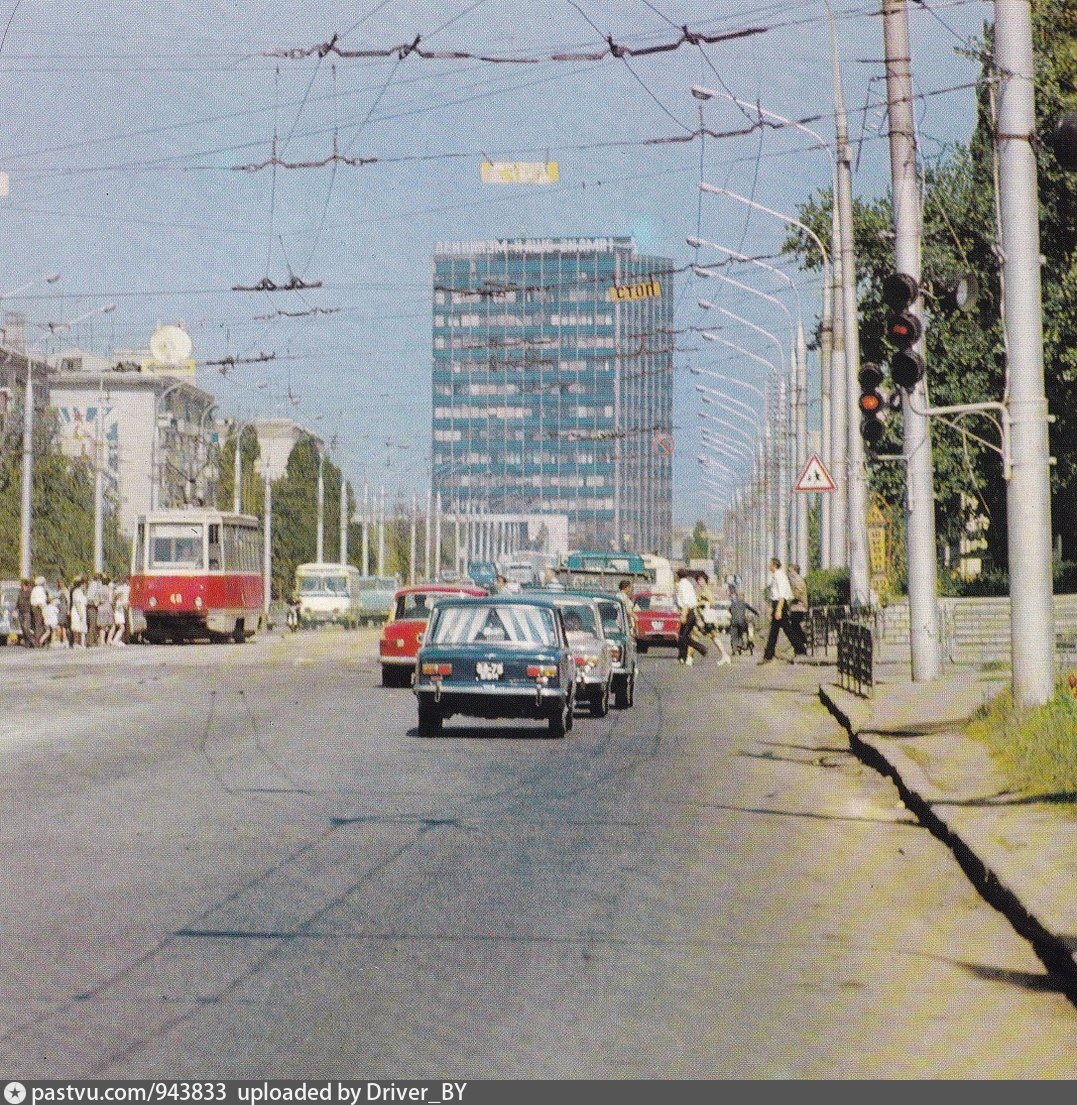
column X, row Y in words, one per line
column 536, row 245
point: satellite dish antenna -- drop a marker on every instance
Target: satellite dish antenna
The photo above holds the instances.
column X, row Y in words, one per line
column 170, row 345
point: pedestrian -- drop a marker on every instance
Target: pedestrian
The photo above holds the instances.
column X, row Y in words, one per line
column 79, row 614
column 25, row 613
column 739, row 627
column 781, row 598
column 106, row 617
column 93, row 596
column 52, row 622
column 798, row 608
column 121, row 602
column 687, row 601
column 63, row 611
column 707, row 617
column 39, row 596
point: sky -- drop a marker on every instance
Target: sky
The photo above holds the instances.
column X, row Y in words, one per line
column 130, row 132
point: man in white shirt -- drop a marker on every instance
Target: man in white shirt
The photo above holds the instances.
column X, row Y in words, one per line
column 781, row 598
column 686, row 603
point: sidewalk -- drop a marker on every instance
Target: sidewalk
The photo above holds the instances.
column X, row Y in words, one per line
column 1020, row 850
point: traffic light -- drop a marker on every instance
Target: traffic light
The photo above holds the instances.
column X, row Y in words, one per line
column 872, row 404
column 904, row 329
column 1063, row 140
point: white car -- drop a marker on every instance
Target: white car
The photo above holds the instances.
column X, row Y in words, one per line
column 591, row 651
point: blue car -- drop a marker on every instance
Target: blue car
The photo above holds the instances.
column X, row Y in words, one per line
column 496, row 657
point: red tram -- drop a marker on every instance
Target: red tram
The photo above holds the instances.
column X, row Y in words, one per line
column 196, row 573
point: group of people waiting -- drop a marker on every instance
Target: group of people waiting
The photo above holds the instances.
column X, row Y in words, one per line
column 91, row 611
column 788, row 593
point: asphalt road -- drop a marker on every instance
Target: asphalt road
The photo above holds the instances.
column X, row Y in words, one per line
column 241, row 861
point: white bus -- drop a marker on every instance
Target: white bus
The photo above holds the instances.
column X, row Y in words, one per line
column 327, row 593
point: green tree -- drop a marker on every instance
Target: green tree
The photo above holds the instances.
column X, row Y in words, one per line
column 965, row 349
column 697, row 546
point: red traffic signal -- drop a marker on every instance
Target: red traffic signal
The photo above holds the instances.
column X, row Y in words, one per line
column 904, row 329
column 871, row 403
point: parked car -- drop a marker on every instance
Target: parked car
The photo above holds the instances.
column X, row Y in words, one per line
column 9, row 619
column 658, row 621
column 496, row 657
column 621, row 634
column 376, row 595
column 590, row 649
column 403, row 633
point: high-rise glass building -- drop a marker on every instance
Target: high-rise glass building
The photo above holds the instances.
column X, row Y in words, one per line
column 553, row 385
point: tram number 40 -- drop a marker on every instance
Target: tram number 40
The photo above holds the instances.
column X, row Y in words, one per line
column 175, row 598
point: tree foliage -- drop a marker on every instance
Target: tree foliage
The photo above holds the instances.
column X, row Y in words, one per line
column 965, row 348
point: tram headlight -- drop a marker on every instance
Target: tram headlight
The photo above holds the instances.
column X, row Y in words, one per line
column 198, row 601
column 153, row 600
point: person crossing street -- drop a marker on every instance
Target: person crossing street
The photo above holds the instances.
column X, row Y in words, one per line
column 781, row 599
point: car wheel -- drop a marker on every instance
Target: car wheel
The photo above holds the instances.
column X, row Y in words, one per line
column 641, row 647
column 600, row 704
column 561, row 720
column 430, row 719
column 622, row 696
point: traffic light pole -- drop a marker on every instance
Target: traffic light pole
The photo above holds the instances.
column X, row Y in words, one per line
column 1028, row 494
column 924, row 634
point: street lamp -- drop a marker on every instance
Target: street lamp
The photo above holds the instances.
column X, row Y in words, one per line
column 833, row 383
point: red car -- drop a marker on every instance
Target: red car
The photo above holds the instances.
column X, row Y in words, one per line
column 403, row 633
column 658, row 621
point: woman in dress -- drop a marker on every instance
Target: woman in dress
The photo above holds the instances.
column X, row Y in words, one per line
column 106, row 614
column 120, row 602
column 63, row 611
column 78, row 613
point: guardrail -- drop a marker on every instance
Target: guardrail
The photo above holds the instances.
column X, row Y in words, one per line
column 856, row 658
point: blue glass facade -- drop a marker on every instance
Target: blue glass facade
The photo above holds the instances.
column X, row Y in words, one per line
column 553, row 384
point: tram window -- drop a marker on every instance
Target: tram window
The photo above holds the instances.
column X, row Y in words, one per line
column 214, row 547
column 175, row 544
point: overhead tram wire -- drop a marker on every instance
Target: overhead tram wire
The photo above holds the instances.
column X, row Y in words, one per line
column 166, row 163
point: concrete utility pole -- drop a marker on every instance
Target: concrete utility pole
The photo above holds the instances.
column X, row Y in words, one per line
column 856, row 519
column 1028, row 495
column 267, row 551
column 839, row 405
column 924, row 635
column 412, row 545
column 26, row 507
column 343, row 520
column 381, row 532
column 99, row 482
column 237, row 470
column 319, row 553
column 366, row 529
column 428, row 555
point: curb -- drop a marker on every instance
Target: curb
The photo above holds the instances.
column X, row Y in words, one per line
column 919, row 796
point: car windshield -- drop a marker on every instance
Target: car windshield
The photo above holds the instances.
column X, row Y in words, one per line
column 580, row 619
column 319, row 584
column 505, row 623
column 175, row 545
column 611, row 616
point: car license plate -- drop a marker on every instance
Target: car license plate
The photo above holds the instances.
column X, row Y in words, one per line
column 488, row 672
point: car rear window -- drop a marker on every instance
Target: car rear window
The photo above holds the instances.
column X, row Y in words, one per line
column 533, row 625
column 655, row 602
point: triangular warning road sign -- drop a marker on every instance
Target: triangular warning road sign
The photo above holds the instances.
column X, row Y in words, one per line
column 814, row 476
